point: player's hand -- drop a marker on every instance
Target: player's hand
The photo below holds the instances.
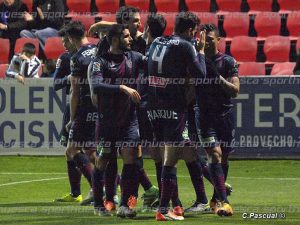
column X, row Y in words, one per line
column 133, row 94
column 20, row 79
column 68, row 126
column 3, row 26
column 40, row 12
column 24, row 57
column 202, row 41
column 28, row 17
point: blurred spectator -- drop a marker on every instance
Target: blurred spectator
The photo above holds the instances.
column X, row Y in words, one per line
column 12, row 21
column 49, row 68
column 46, row 19
column 24, row 65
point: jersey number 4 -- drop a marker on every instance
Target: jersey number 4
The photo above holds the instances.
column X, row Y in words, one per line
column 158, row 56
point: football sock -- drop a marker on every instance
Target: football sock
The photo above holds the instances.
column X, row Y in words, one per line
column 205, row 169
column 225, row 168
column 217, row 176
column 129, row 183
column 143, row 178
column 158, row 167
column 175, row 197
column 86, row 167
column 97, row 185
column 111, row 173
column 74, row 175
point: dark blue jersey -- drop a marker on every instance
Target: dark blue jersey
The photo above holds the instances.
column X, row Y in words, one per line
column 172, row 61
column 212, row 95
column 107, row 74
column 62, row 72
column 79, row 67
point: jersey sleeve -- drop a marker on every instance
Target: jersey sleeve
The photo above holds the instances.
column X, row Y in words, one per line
column 96, row 79
column 61, row 72
column 11, row 71
column 232, row 67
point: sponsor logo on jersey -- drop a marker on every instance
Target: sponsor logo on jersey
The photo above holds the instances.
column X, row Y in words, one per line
column 158, row 81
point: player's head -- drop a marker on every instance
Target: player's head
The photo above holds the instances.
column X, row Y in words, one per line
column 130, row 16
column 186, row 25
column 156, row 24
column 75, row 31
column 29, row 50
column 212, row 38
column 9, row 2
column 119, row 37
column 65, row 40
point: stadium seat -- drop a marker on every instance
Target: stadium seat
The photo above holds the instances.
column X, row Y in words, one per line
column 29, row 4
column 107, row 17
column 226, row 6
column 3, row 68
column 206, row 17
column 170, row 18
column 256, row 6
column 86, row 20
column 93, row 40
column 285, row 68
column 4, row 50
column 143, row 21
column 298, row 45
column 236, row 24
column 293, row 25
column 198, row 5
column 21, row 41
column 244, row 48
column 108, row 6
column 267, row 24
column 222, row 45
column 277, row 49
column 143, row 5
column 167, row 5
column 286, row 6
column 252, row 69
column 53, row 47
column 79, row 6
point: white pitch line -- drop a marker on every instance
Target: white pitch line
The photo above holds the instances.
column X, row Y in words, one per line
column 31, row 181
column 180, row 176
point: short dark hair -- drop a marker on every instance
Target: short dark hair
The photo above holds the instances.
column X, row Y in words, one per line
column 75, row 29
column 29, row 48
column 157, row 24
column 62, row 32
column 185, row 21
column 210, row 27
column 125, row 13
column 115, row 31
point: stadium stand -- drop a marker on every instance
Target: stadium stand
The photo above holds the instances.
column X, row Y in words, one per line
column 252, row 69
column 206, row 17
column 222, row 45
column 21, row 41
column 29, row 4
column 285, row 68
column 236, row 24
column 93, row 40
column 267, row 24
column 86, row 20
column 143, row 20
column 277, row 49
column 170, row 18
column 256, row 6
column 167, row 5
column 293, row 25
column 298, row 45
column 198, row 5
column 3, row 68
column 107, row 6
column 4, row 50
column 79, row 6
column 226, row 6
column 53, row 48
column 107, row 17
column 244, row 48
column 286, row 6
column 143, row 5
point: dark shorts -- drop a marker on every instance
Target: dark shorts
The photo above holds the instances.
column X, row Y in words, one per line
column 110, row 139
column 64, row 134
column 82, row 130
column 145, row 128
column 216, row 129
column 168, row 125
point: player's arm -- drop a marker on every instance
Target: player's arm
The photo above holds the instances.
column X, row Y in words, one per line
column 231, row 85
column 101, row 26
column 60, row 77
column 11, row 71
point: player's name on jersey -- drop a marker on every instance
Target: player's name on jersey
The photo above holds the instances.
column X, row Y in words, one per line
column 162, row 114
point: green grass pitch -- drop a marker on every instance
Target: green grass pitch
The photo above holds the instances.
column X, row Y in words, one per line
column 28, row 186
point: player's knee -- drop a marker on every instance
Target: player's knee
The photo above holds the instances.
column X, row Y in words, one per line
column 213, row 155
column 68, row 156
column 101, row 163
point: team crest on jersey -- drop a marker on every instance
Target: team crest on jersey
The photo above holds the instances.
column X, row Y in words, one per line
column 96, row 67
column 58, row 63
column 129, row 64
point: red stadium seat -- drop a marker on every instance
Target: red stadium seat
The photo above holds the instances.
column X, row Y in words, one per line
column 298, row 45
column 286, row 6
column 93, row 40
column 79, row 6
column 277, row 49
column 244, row 48
column 29, row 4
column 170, row 18
column 293, row 25
column 53, row 47
column 267, row 24
column 86, row 20
column 236, row 24
column 259, row 6
column 285, row 68
column 143, row 21
column 3, row 68
column 252, row 69
column 198, row 5
column 21, row 41
column 206, row 17
column 225, row 6
column 108, row 6
column 143, row 5
column 4, row 50
column 107, row 17
column 222, row 45
column 167, row 5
